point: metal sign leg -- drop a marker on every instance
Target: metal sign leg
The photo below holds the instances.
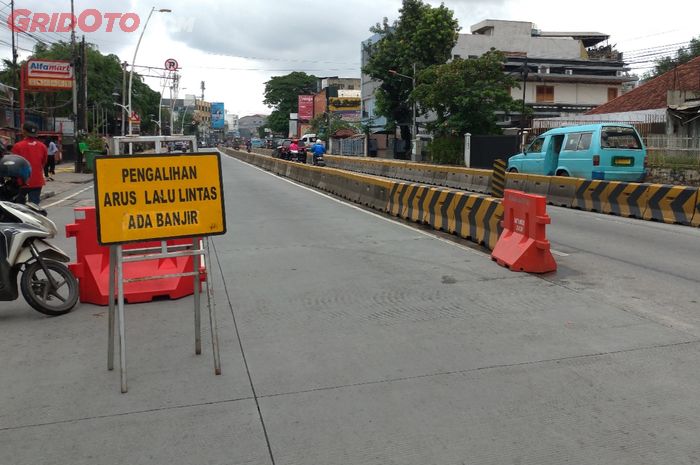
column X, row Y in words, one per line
column 112, row 280
column 212, row 314
column 120, row 315
column 197, row 300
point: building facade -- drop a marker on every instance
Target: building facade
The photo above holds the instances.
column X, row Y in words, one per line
column 560, row 73
column 248, row 125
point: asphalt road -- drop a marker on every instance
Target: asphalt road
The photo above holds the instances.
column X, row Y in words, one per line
column 651, row 269
column 348, row 338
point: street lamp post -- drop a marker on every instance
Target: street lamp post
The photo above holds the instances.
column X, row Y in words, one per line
column 414, row 129
column 133, row 62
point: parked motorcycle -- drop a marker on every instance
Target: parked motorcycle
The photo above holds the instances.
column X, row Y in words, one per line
column 46, row 282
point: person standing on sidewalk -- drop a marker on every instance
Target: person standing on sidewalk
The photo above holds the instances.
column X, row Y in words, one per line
column 36, row 153
column 50, row 167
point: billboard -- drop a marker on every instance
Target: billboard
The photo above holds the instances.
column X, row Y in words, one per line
column 306, row 107
column 49, row 74
column 348, row 108
column 217, row 115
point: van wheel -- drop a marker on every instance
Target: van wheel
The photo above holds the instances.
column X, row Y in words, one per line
column 562, row 173
column 513, row 170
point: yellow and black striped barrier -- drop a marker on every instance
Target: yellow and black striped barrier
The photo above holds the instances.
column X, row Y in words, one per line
column 472, row 216
column 671, row 204
column 613, row 197
column 498, row 178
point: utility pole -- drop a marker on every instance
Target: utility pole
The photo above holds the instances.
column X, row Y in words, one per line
column 124, row 115
column 12, row 33
column 526, row 71
column 76, row 74
column 173, row 97
column 203, row 130
column 83, row 85
column 16, row 75
column 414, row 147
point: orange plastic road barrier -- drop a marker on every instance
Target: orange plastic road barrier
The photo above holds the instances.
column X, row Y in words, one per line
column 92, row 267
column 523, row 245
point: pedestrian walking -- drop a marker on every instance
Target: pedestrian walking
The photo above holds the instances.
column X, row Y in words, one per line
column 36, row 153
column 50, row 167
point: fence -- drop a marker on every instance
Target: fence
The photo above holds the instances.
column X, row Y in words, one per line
column 351, row 147
column 645, row 125
column 672, row 151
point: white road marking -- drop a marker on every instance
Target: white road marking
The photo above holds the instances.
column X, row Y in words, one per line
column 561, row 254
column 68, row 197
column 376, row 215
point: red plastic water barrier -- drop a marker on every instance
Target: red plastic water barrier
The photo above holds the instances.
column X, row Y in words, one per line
column 523, row 245
column 92, row 267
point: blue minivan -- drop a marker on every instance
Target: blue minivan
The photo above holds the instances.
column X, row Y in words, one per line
column 609, row 151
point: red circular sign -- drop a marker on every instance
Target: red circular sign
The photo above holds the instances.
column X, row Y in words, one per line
column 171, row 64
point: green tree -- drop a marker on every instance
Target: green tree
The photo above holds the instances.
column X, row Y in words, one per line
column 282, row 93
column 422, row 36
column 466, row 94
column 104, row 75
column 683, row 55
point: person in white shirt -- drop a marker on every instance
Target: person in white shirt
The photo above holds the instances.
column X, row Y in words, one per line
column 50, row 167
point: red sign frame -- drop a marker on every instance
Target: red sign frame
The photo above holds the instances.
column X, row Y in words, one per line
column 306, row 107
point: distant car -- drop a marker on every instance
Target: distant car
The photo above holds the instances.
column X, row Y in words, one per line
column 257, row 143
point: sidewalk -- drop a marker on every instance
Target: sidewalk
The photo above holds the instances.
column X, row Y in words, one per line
column 64, row 180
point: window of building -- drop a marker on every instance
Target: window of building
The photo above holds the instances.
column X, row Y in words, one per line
column 456, row 57
column 351, row 87
column 545, row 94
column 612, row 93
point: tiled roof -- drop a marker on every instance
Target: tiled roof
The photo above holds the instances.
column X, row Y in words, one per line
column 653, row 94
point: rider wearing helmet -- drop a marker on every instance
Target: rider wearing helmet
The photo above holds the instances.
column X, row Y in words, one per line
column 294, row 145
column 15, row 172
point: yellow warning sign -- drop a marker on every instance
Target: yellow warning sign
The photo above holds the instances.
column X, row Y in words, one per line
column 144, row 197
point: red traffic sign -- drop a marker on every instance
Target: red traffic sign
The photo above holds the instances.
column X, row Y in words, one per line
column 171, row 64
column 135, row 118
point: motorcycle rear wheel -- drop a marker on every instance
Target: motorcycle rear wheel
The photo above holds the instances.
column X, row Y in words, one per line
column 42, row 295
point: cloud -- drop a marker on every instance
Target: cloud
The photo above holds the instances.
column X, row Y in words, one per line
column 305, row 35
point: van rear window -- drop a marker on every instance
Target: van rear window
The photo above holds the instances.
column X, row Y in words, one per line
column 619, row 138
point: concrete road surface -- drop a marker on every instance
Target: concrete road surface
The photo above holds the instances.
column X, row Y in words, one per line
column 348, row 338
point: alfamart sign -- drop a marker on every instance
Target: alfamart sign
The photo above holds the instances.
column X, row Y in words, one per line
column 49, row 74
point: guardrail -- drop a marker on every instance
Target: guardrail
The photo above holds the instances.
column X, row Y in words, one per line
column 656, row 202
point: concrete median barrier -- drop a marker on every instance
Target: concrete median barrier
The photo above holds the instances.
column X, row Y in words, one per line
column 536, row 184
column 480, row 181
column 516, row 181
column 671, row 204
column 562, row 190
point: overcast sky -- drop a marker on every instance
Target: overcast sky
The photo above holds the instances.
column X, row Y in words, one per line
column 235, row 46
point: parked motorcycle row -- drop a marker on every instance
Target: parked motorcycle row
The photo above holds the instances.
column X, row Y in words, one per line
column 45, row 281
